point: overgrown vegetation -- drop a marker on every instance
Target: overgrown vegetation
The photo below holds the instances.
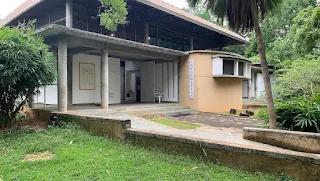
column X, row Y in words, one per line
column 77, row 155
column 25, row 65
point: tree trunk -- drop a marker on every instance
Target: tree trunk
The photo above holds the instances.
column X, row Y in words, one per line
column 264, row 65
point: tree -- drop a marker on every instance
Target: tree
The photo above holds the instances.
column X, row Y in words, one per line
column 25, row 65
column 276, row 27
column 244, row 16
column 114, row 13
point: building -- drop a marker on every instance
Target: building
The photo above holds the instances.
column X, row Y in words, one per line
column 161, row 49
column 254, row 87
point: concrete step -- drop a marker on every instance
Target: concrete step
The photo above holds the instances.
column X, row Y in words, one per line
column 168, row 113
column 154, row 109
column 142, row 106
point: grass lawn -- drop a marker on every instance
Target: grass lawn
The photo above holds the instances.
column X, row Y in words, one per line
column 174, row 124
column 72, row 154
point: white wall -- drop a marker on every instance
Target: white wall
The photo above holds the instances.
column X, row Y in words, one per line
column 167, row 80
column 93, row 96
column 51, row 94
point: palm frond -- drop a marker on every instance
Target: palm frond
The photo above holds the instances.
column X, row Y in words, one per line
column 237, row 12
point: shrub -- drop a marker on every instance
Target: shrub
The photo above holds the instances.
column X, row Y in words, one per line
column 25, row 65
column 297, row 113
column 296, row 78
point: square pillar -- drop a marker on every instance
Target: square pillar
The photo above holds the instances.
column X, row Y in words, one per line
column 62, row 76
column 191, row 44
column 70, row 72
column 104, row 79
column 69, row 13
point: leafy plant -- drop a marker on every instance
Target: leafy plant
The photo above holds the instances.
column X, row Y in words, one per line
column 298, row 113
column 25, row 65
column 114, row 13
column 295, row 78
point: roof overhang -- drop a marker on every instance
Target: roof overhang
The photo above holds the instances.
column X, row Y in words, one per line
column 157, row 4
column 163, row 6
column 78, row 38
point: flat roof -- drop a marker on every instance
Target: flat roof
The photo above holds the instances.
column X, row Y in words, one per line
column 55, row 31
column 157, row 4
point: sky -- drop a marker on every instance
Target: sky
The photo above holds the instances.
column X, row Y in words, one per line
column 8, row 6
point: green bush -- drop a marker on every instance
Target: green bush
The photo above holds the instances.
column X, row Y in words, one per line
column 25, row 65
column 296, row 78
column 297, row 113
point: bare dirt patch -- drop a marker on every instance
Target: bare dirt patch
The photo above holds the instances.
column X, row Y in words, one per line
column 33, row 157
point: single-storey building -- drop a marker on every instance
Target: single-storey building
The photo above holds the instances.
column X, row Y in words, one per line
column 253, row 88
column 162, row 49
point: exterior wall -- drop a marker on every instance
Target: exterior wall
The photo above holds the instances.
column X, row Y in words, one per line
column 93, row 96
column 256, row 90
column 167, row 80
column 211, row 94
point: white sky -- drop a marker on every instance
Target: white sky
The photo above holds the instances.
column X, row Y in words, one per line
column 8, row 6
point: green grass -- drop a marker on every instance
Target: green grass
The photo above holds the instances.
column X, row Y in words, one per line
column 175, row 124
column 81, row 156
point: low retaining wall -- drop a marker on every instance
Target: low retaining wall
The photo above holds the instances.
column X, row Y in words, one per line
column 293, row 140
column 109, row 128
column 297, row 166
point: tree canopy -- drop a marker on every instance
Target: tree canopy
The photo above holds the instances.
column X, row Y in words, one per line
column 25, row 64
column 114, row 13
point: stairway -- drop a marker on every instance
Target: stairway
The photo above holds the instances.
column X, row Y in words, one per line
column 155, row 110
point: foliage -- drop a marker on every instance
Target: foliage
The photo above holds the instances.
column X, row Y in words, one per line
column 296, row 78
column 114, row 13
column 306, row 30
column 276, row 27
column 201, row 11
column 175, row 124
column 25, row 64
column 81, row 156
column 301, row 113
column 238, row 49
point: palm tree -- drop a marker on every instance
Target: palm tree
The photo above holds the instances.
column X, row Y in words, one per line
column 243, row 15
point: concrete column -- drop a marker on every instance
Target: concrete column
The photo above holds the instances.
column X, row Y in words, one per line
column 236, row 68
column 191, row 43
column 70, row 72
column 69, row 13
column 146, row 33
column 104, row 79
column 62, row 76
column 249, row 88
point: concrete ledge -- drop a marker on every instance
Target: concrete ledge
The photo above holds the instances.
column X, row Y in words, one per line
column 293, row 140
column 302, row 166
column 109, row 128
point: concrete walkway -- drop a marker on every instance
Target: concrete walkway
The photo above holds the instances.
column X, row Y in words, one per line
column 226, row 136
column 220, row 135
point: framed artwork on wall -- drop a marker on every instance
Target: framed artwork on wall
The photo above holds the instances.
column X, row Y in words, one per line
column 87, row 76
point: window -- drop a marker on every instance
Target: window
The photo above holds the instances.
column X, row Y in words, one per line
column 152, row 39
column 177, row 41
column 168, row 39
column 228, row 67
column 241, row 69
column 164, row 38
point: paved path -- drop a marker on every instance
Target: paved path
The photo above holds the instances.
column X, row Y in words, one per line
column 220, row 120
column 226, row 136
